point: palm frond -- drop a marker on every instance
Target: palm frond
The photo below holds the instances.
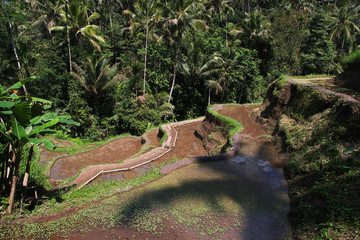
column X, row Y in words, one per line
column 82, row 82
column 78, row 68
column 95, row 44
column 114, row 80
column 57, row 28
column 93, row 16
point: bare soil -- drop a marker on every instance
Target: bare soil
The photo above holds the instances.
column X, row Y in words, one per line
column 241, row 114
column 154, row 139
column 113, row 152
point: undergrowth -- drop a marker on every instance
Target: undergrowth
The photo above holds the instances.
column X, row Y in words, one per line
column 323, row 171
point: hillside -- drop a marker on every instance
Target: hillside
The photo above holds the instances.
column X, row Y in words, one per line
column 317, row 136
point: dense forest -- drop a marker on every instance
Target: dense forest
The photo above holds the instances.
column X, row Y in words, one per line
column 120, row 66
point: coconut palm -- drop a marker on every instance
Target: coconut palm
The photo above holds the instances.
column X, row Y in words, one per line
column 212, row 85
column 254, row 29
column 97, row 76
column 345, row 19
column 222, row 8
column 164, row 108
column 145, row 15
column 199, row 67
column 75, row 16
column 180, row 14
column 133, row 73
column 50, row 12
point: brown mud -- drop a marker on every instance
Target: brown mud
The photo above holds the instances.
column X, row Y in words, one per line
column 113, row 152
column 181, row 150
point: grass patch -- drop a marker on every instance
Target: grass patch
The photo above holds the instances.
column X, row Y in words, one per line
column 163, row 135
column 312, row 76
column 229, row 125
column 353, row 58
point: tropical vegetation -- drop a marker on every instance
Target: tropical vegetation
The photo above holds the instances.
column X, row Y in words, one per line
column 117, row 66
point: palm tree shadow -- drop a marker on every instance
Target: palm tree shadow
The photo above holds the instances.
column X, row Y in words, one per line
column 264, row 208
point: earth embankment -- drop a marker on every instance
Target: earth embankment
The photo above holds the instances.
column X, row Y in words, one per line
column 317, row 136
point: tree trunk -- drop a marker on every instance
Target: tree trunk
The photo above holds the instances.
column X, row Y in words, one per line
column 242, row 89
column 9, row 169
column 209, row 98
column 68, row 36
column 343, row 43
column 109, row 12
column 226, row 33
column 5, row 159
column 14, row 49
column 26, row 176
column 146, row 49
column 332, row 57
column 175, row 70
column 15, row 178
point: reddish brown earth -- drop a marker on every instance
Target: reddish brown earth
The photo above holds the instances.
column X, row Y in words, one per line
column 253, row 143
column 154, row 140
column 188, row 146
column 252, row 139
column 241, row 114
column 113, row 152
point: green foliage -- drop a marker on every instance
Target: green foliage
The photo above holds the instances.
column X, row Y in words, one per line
column 229, row 126
column 353, row 60
column 135, row 114
column 317, row 50
column 23, row 118
column 287, row 37
column 324, row 166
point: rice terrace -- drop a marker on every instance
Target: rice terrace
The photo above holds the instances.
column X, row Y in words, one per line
column 182, row 119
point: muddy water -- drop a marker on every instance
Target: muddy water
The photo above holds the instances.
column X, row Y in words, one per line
column 263, row 196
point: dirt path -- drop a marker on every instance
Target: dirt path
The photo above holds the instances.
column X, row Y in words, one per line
column 321, row 89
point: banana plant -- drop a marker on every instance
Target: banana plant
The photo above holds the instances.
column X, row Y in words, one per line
column 22, row 120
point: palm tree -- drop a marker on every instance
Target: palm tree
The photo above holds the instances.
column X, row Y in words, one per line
column 254, row 33
column 179, row 15
column 146, row 14
column 222, row 8
column 164, row 108
column 133, row 73
column 200, row 67
column 76, row 20
column 255, row 28
column 345, row 19
column 50, row 13
column 212, row 85
column 97, row 76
